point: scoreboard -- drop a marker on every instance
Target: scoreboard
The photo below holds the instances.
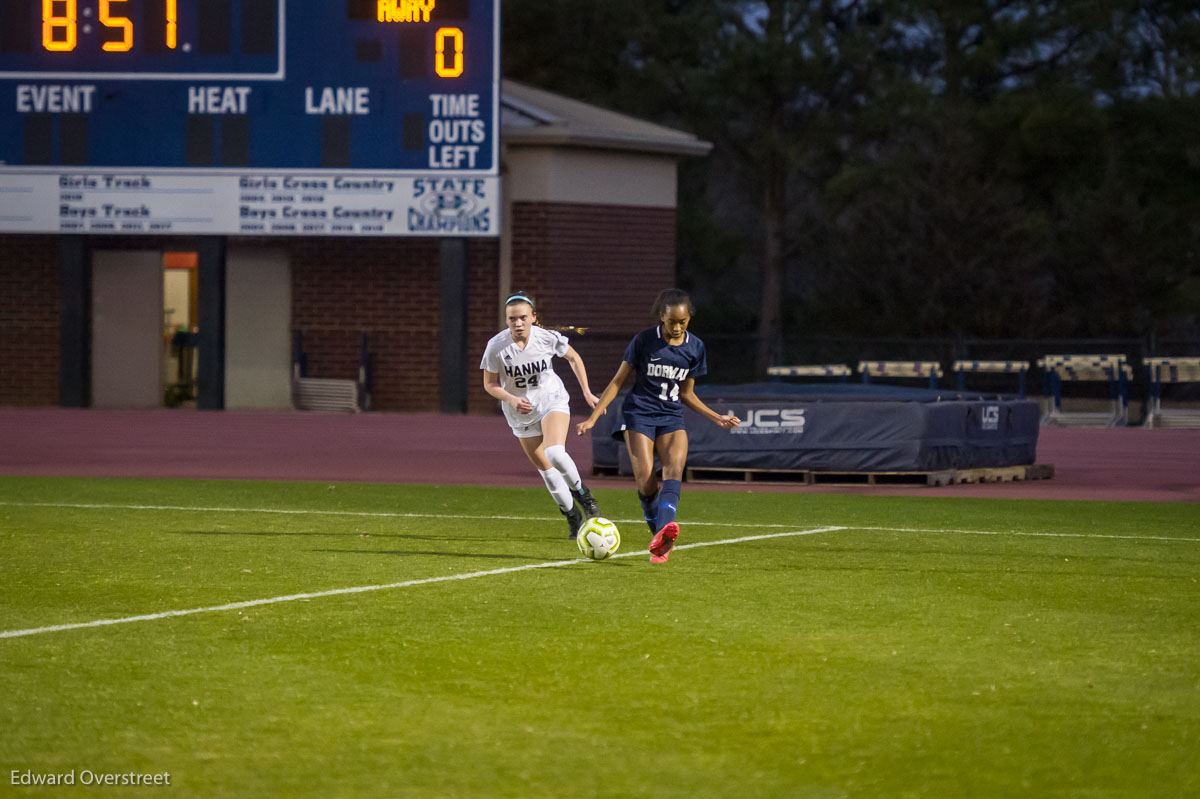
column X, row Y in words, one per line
column 250, row 117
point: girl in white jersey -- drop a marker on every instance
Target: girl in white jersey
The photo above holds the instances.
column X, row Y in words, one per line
column 517, row 371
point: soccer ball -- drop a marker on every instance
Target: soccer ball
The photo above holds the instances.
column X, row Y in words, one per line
column 598, row 538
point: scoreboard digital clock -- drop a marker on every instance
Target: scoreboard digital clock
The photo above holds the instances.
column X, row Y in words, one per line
column 141, row 39
column 188, row 91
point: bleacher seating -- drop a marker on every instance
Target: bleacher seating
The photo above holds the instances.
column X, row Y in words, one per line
column 1082, row 368
column 329, row 394
column 1166, row 370
column 324, row 394
column 1057, row 371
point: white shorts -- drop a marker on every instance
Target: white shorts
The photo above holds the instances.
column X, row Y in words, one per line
column 534, row 429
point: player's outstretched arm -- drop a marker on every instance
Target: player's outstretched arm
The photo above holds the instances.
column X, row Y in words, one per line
column 573, row 358
column 688, row 397
column 624, row 371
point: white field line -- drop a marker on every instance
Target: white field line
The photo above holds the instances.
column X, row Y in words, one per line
column 1027, row 534
column 368, row 514
column 491, row 517
column 490, row 572
column 361, row 589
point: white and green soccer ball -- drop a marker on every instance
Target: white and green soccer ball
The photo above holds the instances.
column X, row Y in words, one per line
column 598, row 538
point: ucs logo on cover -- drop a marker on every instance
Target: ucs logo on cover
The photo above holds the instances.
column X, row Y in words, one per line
column 770, row 421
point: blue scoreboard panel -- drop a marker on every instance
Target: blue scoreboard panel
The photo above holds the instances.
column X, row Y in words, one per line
column 263, row 117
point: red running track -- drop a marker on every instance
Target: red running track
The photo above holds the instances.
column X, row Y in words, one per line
column 1089, row 464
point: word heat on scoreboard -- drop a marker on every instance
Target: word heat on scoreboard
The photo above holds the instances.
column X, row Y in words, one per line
column 250, row 117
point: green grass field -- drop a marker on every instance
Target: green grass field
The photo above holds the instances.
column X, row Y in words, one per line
column 913, row 647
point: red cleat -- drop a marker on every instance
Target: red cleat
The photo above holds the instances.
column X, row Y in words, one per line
column 663, row 542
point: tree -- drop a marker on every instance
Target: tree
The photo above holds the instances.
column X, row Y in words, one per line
column 1014, row 193
column 913, row 167
column 771, row 85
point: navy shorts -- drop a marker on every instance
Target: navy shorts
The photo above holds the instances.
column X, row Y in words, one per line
column 650, row 426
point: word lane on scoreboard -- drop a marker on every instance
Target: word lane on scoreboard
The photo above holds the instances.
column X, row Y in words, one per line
column 264, row 117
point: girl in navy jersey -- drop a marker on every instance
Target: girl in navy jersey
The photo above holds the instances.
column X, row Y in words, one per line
column 663, row 362
column 517, row 371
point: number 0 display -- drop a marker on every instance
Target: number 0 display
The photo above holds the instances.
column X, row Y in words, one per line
column 449, row 43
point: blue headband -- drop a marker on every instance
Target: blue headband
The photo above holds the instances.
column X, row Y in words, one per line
column 520, row 297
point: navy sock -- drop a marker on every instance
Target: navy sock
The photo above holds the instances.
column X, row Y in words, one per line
column 668, row 499
column 649, row 510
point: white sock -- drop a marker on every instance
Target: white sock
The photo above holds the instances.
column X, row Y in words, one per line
column 560, row 460
column 558, row 488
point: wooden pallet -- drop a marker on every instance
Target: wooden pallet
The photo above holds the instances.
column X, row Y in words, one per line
column 1006, row 474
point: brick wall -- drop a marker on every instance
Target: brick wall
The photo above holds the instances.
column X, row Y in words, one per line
column 29, row 320
column 593, row 266
column 483, row 286
column 389, row 289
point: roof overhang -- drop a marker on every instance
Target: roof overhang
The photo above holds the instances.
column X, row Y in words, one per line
column 533, row 117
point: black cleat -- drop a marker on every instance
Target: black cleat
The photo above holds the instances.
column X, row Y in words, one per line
column 591, row 508
column 574, row 520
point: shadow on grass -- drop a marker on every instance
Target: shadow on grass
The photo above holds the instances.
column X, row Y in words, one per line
column 415, row 552
column 352, row 534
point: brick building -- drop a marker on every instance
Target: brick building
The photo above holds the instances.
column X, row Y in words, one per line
column 588, row 228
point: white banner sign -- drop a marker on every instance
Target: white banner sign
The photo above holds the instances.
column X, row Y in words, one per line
column 258, row 204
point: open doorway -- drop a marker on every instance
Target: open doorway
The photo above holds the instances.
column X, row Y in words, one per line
column 180, row 308
column 143, row 320
column 146, row 328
